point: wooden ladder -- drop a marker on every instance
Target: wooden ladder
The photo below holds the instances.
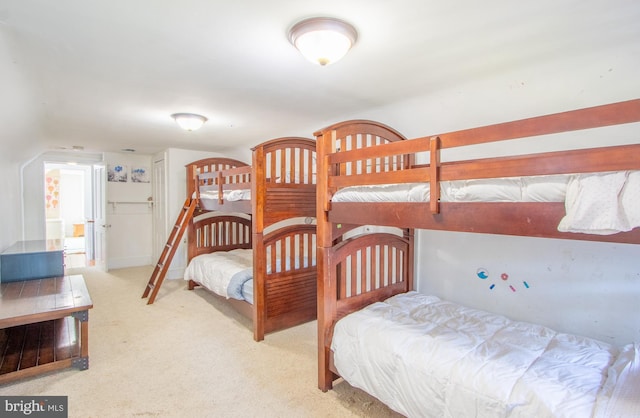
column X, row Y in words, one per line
column 160, row 271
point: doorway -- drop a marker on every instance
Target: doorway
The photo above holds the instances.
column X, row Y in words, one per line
column 68, row 211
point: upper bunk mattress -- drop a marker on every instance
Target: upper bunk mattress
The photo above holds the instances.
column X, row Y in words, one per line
column 598, row 203
column 514, row 189
column 227, row 195
column 426, row 357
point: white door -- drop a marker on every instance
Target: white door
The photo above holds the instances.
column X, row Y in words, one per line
column 100, row 224
column 160, row 234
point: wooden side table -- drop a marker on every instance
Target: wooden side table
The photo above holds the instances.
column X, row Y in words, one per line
column 44, row 326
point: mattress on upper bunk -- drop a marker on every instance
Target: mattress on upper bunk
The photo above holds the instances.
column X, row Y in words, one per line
column 226, row 273
column 527, row 189
column 211, row 196
column 425, row 357
column 600, row 203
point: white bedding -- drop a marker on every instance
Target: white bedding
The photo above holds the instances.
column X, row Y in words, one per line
column 425, row 357
column 601, row 203
column 230, row 195
column 209, row 199
column 516, row 189
column 226, row 273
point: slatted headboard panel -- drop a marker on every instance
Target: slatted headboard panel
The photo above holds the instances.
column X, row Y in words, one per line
column 219, row 233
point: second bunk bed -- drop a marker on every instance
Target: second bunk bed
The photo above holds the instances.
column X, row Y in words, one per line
column 427, row 357
column 252, row 239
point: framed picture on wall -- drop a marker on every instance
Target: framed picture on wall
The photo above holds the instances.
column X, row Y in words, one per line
column 140, row 175
column 117, row 173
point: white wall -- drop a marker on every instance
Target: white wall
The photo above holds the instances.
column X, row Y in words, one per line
column 579, row 287
column 591, row 289
column 19, row 105
column 10, row 204
column 18, row 141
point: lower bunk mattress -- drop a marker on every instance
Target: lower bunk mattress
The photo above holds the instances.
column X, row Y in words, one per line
column 226, row 273
column 426, row 357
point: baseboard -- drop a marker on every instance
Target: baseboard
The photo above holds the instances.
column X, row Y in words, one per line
column 175, row 273
column 120, row 263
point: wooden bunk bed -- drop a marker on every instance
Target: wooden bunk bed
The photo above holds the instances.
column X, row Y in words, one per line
column 273, row 215
column 359, row 272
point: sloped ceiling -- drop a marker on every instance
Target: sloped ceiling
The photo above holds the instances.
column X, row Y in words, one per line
column 106, row 75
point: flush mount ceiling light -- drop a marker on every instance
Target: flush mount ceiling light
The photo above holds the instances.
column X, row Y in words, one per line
column 189, row 121
column 323, row 40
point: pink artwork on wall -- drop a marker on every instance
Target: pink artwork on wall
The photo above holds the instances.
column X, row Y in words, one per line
column 52, row 192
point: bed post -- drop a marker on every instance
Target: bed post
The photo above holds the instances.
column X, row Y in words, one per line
column 326, row 311
column 192, row 174
column 192, row 187
column 434, row 170
column 409, row 234
column 325, row 144
column 257, row 225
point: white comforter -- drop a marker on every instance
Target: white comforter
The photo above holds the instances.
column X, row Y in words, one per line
column 425, row 357
column 209, row 199
column 224, row 272
column 228, row 195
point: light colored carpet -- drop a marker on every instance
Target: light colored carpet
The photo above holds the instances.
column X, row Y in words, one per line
column 190, row 355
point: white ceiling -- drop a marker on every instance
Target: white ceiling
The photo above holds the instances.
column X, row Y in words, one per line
column 106, row 74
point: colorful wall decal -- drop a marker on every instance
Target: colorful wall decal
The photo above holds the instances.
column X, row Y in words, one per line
column 482, row 273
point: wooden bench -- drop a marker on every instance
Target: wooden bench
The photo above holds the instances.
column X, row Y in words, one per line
column 44, row 326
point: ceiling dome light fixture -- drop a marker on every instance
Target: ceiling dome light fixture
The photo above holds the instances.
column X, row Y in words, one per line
column 323, row 40
column 189, row 121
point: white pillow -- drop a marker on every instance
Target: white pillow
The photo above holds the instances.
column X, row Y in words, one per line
column 593, row 204
column 631, row 199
